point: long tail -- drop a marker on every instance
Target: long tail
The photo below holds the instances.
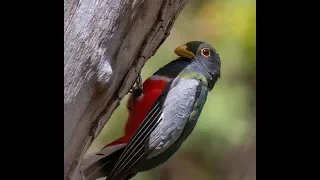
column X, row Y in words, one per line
column 100, row 164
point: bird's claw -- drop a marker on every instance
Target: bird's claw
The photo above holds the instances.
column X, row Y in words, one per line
column 138, row 83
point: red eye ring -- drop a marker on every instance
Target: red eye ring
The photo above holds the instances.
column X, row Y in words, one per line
column 205, row 52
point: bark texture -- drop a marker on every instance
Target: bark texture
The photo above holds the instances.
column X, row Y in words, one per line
column 106, row 43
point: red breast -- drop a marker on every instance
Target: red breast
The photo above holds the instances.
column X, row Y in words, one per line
column 152, row 88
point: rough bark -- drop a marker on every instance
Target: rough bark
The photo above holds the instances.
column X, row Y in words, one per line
column 106, row 44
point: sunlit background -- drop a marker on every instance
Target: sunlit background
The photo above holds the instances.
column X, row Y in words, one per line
column 222, row 146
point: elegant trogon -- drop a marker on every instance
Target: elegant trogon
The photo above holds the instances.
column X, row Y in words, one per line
column 162, row 114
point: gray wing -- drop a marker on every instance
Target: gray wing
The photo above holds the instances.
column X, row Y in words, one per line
column 177, row 108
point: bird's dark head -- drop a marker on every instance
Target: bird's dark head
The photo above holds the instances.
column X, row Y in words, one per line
column 205, row 58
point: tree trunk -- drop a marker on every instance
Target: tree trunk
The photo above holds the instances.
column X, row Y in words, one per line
column 106, row 44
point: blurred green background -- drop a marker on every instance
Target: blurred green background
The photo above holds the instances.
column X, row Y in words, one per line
column 222, row 146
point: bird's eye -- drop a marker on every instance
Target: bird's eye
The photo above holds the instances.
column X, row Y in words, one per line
column 205, row 52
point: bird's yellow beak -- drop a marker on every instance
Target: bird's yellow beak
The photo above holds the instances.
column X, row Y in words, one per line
column 183, row 52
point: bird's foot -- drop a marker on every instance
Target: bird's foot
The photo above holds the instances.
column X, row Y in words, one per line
column 138, row 83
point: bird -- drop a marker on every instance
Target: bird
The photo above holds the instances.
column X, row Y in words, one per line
column 163, row 112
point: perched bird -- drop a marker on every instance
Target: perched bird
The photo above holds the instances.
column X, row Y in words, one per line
column 162, row 114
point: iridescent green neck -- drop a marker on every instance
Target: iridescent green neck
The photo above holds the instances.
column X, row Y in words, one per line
column 193, row 75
